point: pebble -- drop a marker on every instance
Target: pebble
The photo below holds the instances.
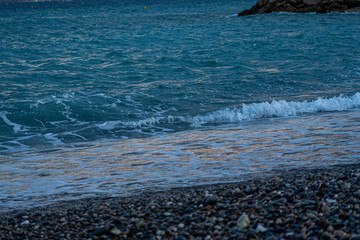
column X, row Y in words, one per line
column 346, row 186
column 20, row 215
column 340, row 234
column 260, row 228
column 115, row 231
column 279, row 202
column 237, row 192
column 243, row 221
column 355, row 237
column 270, row 208
column 211, row 200
column 26, row 222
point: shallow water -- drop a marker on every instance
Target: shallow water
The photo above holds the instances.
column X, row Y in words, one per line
column 111, row 98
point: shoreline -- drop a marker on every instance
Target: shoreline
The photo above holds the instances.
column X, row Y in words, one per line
column 302, row 203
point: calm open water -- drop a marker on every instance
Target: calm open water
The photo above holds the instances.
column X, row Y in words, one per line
column 114, row 97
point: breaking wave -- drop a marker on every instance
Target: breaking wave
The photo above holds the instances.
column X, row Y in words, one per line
column 280, row 108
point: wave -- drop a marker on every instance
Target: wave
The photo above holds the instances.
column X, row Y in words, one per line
column 16, row 127
column 19, row 135
column 280, row 108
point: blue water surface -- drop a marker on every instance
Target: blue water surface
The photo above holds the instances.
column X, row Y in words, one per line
column 204, row 95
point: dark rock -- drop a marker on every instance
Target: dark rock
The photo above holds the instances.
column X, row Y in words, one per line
column 279, row 202
column 352, row 3
column 20, row 215
column 38, row 214
column 46, row 223
column 101, row 231
column 303, row 6
column 338, row 225
column 355, row 237
column 189, row 210
column 181, row 237
column 211, row 200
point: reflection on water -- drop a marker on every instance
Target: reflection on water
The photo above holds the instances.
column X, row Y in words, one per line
column 213, row 154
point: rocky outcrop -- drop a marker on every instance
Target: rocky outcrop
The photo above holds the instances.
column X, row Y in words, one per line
column 303, row 6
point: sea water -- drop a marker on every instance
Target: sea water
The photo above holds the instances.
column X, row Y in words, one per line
column 116, row 97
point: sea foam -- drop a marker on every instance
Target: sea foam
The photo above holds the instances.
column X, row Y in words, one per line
column 280, row 108
column 271, row 109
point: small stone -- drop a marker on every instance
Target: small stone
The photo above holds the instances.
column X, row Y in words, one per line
column 260, row 228
column 26, row 222
column 160, row 232
column 289, row 234
column 211, row 200
column 38, row 214
column 346, row 186
column 101, row 231
column 326, row 235
column 237, row 192
column 272, row 237
column 279, row 202
column 331, row 201
column 217, row 227
column 173, row 229
column 325, row 208
column 167, row 214
column 243, row 221
column 115, row 231
column 20, row 215
column 340, row 234
column 181, row 237
column 181, row 225
column 355, row 237
column 330, row 229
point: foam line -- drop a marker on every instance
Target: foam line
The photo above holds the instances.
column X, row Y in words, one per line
column 280, row 108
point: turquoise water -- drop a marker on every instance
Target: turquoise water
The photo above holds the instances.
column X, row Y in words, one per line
column 111, row 97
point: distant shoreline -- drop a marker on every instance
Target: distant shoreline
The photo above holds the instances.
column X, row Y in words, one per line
column 299, row 203
column 302, row 6
column 38, row 1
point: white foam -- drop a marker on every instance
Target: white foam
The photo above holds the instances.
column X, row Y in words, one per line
column 53, row 139
column 16, row 127
column 231, row 15
column 108, row 125
column 280, row 108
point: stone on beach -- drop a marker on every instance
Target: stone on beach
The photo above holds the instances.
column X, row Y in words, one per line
column 243, row 221
column 297, row 204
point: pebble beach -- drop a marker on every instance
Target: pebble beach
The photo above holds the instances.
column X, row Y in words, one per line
column 304, row 203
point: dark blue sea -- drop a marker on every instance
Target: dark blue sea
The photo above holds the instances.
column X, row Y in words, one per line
column 121, row 96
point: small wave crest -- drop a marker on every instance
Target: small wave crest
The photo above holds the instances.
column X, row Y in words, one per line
column 280, row 108
column 16, row 127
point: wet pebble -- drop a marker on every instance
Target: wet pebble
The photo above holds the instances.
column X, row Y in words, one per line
column 299, row 204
